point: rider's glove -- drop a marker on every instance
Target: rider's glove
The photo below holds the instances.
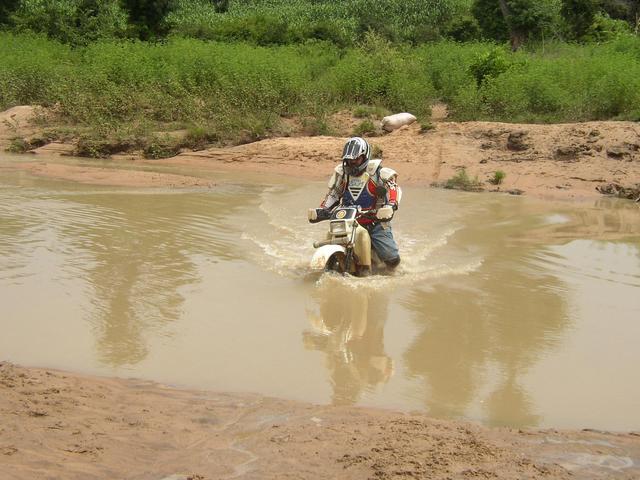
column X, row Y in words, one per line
column 385, row 213
column 318, row 214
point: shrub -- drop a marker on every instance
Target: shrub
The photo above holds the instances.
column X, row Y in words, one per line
column 462, row 181
column 199, row 137
column 367, row 111
column 314, row 126
column 489, row 65
column 605, row 28
column 161, row 147
column 426, row 125
column 363, row 128
column 498, row 177
column 72, row 21
column 18, row 145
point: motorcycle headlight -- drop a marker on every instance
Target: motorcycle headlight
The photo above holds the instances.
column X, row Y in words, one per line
column 338, row 227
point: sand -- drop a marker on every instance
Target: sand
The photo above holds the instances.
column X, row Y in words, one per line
column 62, row 425
column 562, row 161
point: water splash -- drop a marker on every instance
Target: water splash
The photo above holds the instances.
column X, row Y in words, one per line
column 283, row 239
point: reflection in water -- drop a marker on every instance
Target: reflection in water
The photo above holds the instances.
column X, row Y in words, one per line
column 487, row 330
column 349, row 328
column 142, row 251
column 607, row 219
column 132, row 252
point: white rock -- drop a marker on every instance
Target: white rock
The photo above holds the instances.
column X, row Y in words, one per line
column 393, row 122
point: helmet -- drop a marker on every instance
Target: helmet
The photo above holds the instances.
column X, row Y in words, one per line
column 355, row 148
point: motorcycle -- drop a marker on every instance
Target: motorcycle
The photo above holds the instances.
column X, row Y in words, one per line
column 336, row 253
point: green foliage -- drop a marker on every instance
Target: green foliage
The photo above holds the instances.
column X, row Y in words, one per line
column 342, row 23
column 579, row 15
column 199, row 137
column 115, row 92
column 627, row 10
column 530, row 18
column 464, row 29
column 498, row 177
column 161, row 147
column 95, row 144
column 18, row 145
column 366, row 127
column 426, row 126
column 315, row 125
column 71, row 21
column 533, row 17
column 490, row 64
column 490, row 19
column 147, row 17
column 462, row 181
column 570, row 83
column 7, row 7
column 377, row 73
column 604, row 29
column 368, row 111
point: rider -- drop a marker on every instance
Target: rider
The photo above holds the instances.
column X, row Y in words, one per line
column 359, row 180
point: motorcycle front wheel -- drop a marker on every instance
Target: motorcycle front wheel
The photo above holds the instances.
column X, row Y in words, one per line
column 336, row 263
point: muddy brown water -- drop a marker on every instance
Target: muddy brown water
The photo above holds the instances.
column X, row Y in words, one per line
column 505, row 310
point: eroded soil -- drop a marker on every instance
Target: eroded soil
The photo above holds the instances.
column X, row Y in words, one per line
column 562, row 161
column 61, row 425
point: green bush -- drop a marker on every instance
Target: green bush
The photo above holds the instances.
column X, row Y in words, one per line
column 342, row 23
column 498, row 177
column 462, row 181
column 368, row 111
column 72, row 21
column 378, row 73
column 490, row 65
column 366, row 127
column 426, row 126
column 605, row 28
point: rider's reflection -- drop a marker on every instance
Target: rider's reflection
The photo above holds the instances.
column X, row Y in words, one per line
column 348, row 327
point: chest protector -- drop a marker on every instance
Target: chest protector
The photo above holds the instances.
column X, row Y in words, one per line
column 360, row 191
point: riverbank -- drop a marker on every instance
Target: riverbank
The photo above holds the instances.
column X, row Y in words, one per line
column 63, row 425
column 560, row 161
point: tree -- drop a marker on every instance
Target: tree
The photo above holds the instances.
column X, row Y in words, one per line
column 221, row 6
column 516, row 35
column 147, row 16
column 490, row 19
column 71, row 21
column 517, row 20
column 579, row 15
column 7, row 7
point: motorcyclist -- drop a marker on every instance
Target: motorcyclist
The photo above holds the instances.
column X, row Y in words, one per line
column 360, row 180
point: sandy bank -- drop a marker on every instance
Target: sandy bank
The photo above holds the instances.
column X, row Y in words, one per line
column 61, row 425
column 563, row 161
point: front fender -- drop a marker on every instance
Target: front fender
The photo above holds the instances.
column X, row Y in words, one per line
column 323, row 254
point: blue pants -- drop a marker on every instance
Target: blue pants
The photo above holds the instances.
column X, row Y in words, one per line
column 383, row 242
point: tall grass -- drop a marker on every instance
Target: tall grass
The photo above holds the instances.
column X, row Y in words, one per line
column 287, row 21
column 238, row 92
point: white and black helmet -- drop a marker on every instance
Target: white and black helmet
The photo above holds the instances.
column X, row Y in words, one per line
column 354, row 148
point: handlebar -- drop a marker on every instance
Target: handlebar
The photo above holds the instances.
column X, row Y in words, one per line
column 319, row 214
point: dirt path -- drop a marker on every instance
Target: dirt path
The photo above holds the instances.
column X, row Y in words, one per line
column 60, row 425
column 564, row 161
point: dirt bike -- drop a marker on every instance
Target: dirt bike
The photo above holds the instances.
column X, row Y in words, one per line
column 336, row 253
